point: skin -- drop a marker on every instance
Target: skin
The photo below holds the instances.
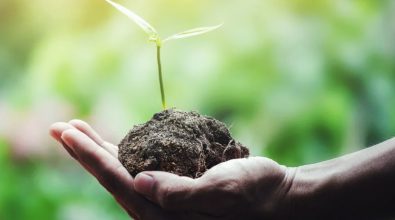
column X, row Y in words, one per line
column 355, row 186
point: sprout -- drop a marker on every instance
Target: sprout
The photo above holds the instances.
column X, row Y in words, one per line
column 154, row 37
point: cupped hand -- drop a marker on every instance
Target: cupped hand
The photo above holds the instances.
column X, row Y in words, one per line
column 249, row 188
column 100, row 158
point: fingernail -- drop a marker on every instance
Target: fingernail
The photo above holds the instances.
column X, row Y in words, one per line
column 143, row 184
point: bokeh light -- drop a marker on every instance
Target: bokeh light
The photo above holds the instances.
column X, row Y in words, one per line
column 297, row 81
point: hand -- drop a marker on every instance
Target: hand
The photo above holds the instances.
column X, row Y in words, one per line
column 252, row 188
column 100, row 158
column 237, row 189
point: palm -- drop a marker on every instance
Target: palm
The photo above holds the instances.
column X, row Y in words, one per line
column 240, row 188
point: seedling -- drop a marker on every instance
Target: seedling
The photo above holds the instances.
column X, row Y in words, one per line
column 154, row 37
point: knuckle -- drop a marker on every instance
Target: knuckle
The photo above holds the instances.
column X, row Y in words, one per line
column 226, row 186
column 231, row 193
column 168, row 197
column 231, row 188
column 165, row 197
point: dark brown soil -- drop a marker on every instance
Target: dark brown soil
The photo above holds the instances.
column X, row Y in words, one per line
column 184, row 143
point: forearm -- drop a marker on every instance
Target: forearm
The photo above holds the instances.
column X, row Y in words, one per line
column 360, row 185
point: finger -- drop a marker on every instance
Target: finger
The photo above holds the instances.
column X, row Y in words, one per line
column 146, row 210
column 165, row 189
column 90, row 132
column 109, row 172
column 102, row 164
column 56, row 131
column 176, row 193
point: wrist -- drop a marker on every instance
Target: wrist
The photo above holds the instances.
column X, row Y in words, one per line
column 311, row 191
column 282, row 202
column 354, row 186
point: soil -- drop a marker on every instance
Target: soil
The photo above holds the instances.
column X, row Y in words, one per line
column 183, row 143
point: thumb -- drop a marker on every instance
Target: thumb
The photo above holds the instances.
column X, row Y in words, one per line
column 170, row 191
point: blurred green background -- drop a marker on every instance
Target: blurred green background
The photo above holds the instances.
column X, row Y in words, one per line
column 297, row 81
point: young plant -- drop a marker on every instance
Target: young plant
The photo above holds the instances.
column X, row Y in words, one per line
column 154, row 37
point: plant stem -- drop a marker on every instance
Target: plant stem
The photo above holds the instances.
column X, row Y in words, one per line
column 162, row 89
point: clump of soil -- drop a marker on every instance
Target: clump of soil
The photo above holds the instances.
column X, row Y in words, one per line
column 183, row 143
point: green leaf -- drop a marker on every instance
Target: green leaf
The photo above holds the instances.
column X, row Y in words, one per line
column 192, row 32
column 147, row 28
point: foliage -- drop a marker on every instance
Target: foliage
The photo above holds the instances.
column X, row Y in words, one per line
column 297, row 81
